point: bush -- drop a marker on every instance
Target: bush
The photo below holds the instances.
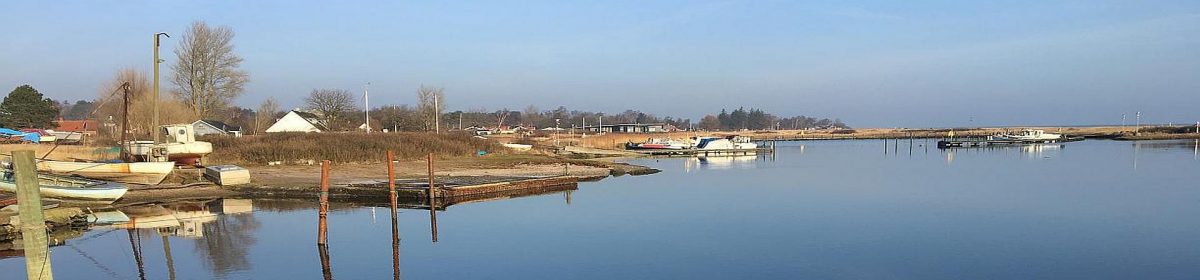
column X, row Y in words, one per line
column 345, row 147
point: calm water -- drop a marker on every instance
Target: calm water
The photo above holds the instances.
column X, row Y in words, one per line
column 817, row 210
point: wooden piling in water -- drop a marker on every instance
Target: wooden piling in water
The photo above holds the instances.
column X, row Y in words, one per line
column 391, row 170
column 33, row 222
column 323, row 212
column 326, row 269
column 432, row 202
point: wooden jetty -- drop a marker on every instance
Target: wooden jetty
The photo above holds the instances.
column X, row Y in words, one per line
column 445, row 187
column 984, row 142
column 705, row 152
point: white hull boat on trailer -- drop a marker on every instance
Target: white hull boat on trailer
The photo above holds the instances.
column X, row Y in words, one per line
column 67, row 188
column 145, row 173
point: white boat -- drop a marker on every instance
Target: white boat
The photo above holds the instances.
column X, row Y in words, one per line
column 145, row 173
column 68, row 188
column 1027, row 135
column 517, row 147
column 658, row 144
column 724, row 143
column 180, row 146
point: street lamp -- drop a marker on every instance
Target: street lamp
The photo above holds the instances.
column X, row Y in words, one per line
column 556, row 131
column 154, row 120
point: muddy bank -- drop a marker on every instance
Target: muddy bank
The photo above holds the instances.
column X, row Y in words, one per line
column 368, row 181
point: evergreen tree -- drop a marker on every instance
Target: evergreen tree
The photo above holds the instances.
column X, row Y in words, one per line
column 25, row 107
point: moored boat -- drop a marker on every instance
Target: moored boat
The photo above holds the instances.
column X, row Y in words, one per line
column 724, row 143
column 69, row 188
column 1028, row 135
column 657, row 144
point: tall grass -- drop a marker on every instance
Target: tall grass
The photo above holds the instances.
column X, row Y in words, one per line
column 344, row 147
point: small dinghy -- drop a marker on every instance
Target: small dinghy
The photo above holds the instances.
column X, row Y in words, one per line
column 69, row 188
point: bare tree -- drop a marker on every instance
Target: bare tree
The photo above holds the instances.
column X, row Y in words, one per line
column 531, row 115
column 265, row 114
column 206, row 74
column 332, row 104
column 500, row 116
column 141, row 104
column 431, row 103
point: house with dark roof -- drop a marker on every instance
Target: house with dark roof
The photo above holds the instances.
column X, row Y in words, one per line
column 208, row 127
column 298, row 121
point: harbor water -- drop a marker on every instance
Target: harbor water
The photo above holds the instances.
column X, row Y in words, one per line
column 857, row 209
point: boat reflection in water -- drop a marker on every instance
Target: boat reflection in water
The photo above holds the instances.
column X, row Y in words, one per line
column 720, row 162
column 221, row 230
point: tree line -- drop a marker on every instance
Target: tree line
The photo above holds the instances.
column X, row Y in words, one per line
column 757, row 119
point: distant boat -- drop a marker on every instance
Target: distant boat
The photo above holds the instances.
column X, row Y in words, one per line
column 517, row 147
column 658, row 144
column 724, row 143
column 69, row 188
column 1027, row 135
column 145, row 173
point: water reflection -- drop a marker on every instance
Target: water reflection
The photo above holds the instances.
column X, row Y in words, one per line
column 723, row 162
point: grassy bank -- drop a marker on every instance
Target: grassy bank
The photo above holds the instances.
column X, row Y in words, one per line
column 344, row 147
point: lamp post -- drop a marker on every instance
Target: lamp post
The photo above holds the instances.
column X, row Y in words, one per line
column 556, row 131
column 154, row 120
column 367, row 106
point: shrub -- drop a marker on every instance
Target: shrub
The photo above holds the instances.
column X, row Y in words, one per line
column 345, row 147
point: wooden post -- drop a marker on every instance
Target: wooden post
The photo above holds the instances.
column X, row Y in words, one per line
column 323, row 213
column 395, row 226
column 432, row 202
column 33, row 223
column 323, row 253
column 391, row 174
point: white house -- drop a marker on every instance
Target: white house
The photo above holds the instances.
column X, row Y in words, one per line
column 206, row 127
column 297, row 121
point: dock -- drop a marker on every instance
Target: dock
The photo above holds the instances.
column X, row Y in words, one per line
column 984, row 142
column 445, row 188
column 705, row 152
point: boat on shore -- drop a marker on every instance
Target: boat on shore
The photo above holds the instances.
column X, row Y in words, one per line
column 144, row 173
column 180, row 146
column 69, row 188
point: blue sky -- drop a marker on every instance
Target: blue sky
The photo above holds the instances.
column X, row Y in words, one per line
column 870, row 63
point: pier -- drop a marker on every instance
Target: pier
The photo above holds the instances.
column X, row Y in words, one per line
column 705, row 152
column 983, row 142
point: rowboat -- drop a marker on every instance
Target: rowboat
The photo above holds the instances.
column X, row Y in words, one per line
column 68, row 188
column 145, row 173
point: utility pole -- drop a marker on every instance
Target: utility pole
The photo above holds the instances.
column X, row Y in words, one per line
column 367, row 106
column 1137, row 127
column 154, row 121
column 600, row 128
column 125, row 125
column 437, row 115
